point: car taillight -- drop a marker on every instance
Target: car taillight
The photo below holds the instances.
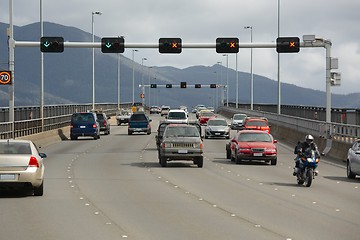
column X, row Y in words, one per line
column 94, row 125
column 105, row 123
column 33, row 162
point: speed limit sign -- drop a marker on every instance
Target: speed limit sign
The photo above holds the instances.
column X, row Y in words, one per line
column 5, row 77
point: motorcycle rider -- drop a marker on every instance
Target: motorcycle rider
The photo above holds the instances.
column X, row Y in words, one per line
column 302, row 147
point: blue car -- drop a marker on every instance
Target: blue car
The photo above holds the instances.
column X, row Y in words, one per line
column 84, row 124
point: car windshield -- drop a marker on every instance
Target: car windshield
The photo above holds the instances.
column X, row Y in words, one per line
column 207, row 114
column 181, row 131
column 217, row 122
column 256, row 123
column 138, row 117
column 15, row 148
column 177, row 115
column 239, row 117
column 83, row 117
column 254, row 137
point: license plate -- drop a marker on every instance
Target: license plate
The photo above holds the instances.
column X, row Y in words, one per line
column 7, row 176
column 258, row 154
column 182, row 151
column 82, row 126
column 122, row 119
column 217, row 134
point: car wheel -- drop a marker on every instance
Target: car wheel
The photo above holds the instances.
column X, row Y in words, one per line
column 163, row 162
column 349, row 173
column 228, row 153
column 232, row 158
column 273, row 161
column 129, row 132
column 200, row 162
column 73, row 137
column 206, row 137
column 39, row 191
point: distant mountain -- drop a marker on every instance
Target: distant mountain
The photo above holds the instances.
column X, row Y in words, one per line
column 68, row 77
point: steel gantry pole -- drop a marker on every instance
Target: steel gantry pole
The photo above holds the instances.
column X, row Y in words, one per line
column 251, row 70
column 227, row 79
column 142, row 80
column 42, row 69
column 133, row 77
column 11, row 67
column 93, row 57
column 278, row 61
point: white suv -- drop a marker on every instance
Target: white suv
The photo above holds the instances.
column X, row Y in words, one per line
column 177, row 116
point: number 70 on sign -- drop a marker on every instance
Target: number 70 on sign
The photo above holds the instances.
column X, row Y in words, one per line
column 5, row 77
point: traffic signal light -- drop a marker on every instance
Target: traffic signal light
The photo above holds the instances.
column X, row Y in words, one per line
column 213, row 85
column 112, row 45
column 287, row 44
column 170, row 45
column 183, row 85
column 51, row 44
column 227, row 45
column 168, row 85
column 197, row 85
column 153, row 85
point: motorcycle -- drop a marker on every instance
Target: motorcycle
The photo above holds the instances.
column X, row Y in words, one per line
column 306, row 172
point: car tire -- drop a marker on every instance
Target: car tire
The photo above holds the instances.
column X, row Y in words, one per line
column 163, row 161
column 39, row 191
column 129, row 132
column 273, row 161
column 206, row 137
column 237, row 160
column 200, row 162
column 349, row 173
column 73, row 137
column 228, row 153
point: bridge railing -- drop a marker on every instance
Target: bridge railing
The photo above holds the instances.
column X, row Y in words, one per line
column 336, row 131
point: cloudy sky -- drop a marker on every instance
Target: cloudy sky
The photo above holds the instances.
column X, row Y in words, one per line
column 202, row 21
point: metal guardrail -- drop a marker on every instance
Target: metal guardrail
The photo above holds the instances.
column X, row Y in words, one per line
column 336, row 131
column 33, row 126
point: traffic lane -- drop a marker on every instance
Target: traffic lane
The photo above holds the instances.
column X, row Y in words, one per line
column 269, row 195
column 63, row 212
column 121, row 186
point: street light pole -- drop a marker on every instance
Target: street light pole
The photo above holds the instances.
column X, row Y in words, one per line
column 227, row 79
column 278, row 58
column 133, row 77
column 251, row 70
column 41, row 69
column 221, row 92
column 142, row 81
column 93, row 57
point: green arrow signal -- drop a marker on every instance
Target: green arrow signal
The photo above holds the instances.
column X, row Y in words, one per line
column 46, row 44
column 108, row 45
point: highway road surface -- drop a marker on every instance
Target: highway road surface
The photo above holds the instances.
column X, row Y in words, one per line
column 114, row 188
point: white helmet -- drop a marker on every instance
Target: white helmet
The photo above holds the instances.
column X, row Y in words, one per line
column 309, row 138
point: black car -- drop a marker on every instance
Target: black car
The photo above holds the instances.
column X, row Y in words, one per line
column 84, row 124
column 139, row 122
column 104, row 123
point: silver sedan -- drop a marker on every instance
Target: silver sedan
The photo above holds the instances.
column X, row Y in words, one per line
column 21, row 165
column 353, row 160
column 217, row 127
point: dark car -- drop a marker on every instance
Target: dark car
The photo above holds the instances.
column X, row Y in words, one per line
column 84, row 124
column 139, row 122
column 104, row 123
column 353, row 160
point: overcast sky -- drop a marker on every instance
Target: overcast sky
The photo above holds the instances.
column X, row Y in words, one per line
column 202, row 21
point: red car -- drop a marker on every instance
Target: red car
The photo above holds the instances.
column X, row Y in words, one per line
column 257, row 124
column 252, row 145
column 204, row 117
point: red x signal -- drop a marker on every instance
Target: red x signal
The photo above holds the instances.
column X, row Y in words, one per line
column 232, row 44
column 292, row 44
column 174, row 45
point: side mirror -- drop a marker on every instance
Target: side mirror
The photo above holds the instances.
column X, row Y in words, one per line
column 234, row 141
column 42, row 155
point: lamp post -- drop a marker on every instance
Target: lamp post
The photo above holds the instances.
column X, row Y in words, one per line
column 133, row 76
column 142, row 80
column 221, row 82
column 93, row 57
column 227, row 79
column 118, row 78
column 278, row 67
column 251, row 70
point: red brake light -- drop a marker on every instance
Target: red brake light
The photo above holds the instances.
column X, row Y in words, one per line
column 94, row 125
column 33, row 162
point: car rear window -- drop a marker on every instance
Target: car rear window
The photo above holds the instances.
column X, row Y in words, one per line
column 177, row 115
column 15, row 148
column 82, row 117
column 254, row 137
column 181, row 131
column 138, row 118
column 100, row 116
column 257, row 123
